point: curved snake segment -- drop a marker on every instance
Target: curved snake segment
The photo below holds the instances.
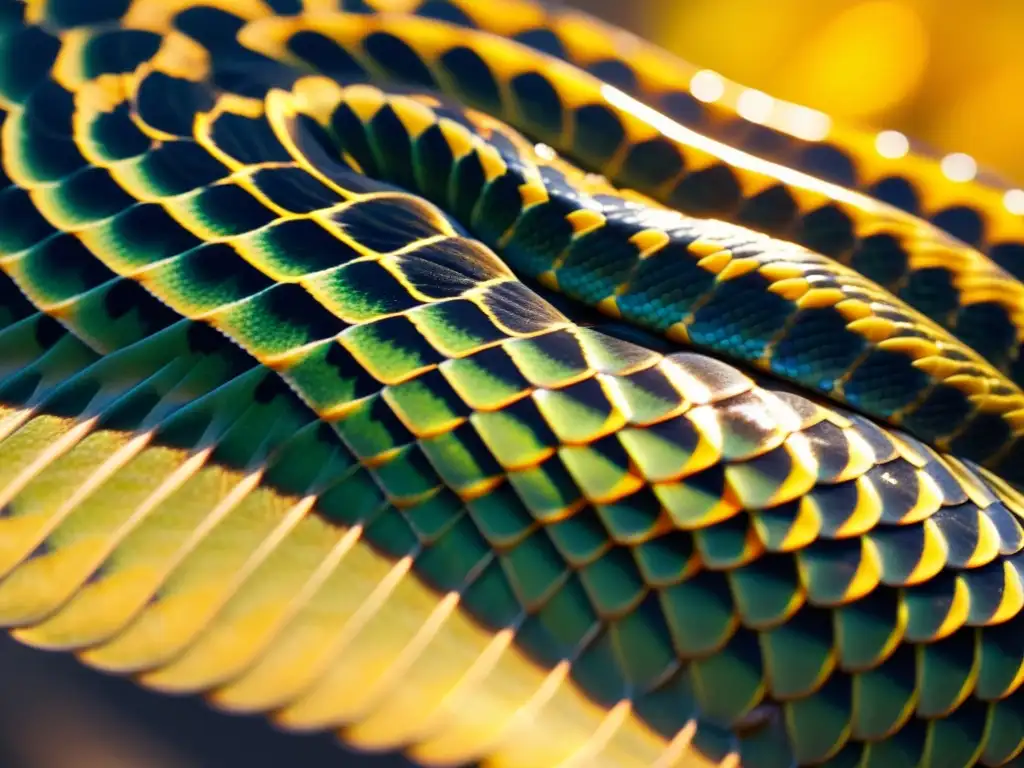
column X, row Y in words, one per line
column 975, row 211
column 684, row 277
column 637, row 147
column 283, row 419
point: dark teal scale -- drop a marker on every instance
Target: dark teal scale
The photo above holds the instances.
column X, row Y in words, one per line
column 249, row 140
column 472, row 77
column 597, row 134
column 45, row 144
column 769, row 209
column 537, row 101
column 711, row 191
column 592, row 267
column 16, row 205
column 26, row 55
column 112, row 51
column 961, row 222
column 616, row 73
column 63, row 268
column 89, row 195
column 325, row 56
column 1010, row 256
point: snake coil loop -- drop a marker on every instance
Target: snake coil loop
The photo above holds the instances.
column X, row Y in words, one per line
column 453, row 380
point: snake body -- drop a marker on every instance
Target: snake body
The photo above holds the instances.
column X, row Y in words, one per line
column 378, row 366
column 976, row 212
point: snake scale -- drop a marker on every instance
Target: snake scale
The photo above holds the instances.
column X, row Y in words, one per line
column 442, row 373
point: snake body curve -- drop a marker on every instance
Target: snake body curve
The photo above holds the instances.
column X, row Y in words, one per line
column 328, row 394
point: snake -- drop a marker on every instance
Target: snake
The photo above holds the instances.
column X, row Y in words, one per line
column 445, row 375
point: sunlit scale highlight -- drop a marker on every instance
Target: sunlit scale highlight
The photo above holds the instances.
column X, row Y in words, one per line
column 368, row 411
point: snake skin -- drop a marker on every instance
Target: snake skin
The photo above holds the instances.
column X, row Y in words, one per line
column 377, row 366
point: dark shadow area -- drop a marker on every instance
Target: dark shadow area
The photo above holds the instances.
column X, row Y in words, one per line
column 57, row 713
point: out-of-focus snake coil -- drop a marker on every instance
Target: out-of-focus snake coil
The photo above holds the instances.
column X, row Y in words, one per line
column 443, row 373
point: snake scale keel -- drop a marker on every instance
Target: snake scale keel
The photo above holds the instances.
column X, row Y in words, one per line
column 449, row 378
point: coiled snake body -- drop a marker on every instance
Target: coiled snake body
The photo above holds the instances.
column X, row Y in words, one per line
column 331, row 387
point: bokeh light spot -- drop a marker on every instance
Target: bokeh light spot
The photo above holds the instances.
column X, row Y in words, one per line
column 707, row 85
column 892, row 144
column 959, row 167
column 1014, row 201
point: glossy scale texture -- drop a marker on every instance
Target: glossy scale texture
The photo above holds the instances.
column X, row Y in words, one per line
column 329, row 395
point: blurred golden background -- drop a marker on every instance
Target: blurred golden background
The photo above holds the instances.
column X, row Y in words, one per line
column 945, row 72
column 942, row 71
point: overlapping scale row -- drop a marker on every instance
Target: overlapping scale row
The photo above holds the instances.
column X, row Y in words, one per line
column 397, row 493
column 627, row 588
column 974, row 212
column 602, row 128
column 736, row 293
